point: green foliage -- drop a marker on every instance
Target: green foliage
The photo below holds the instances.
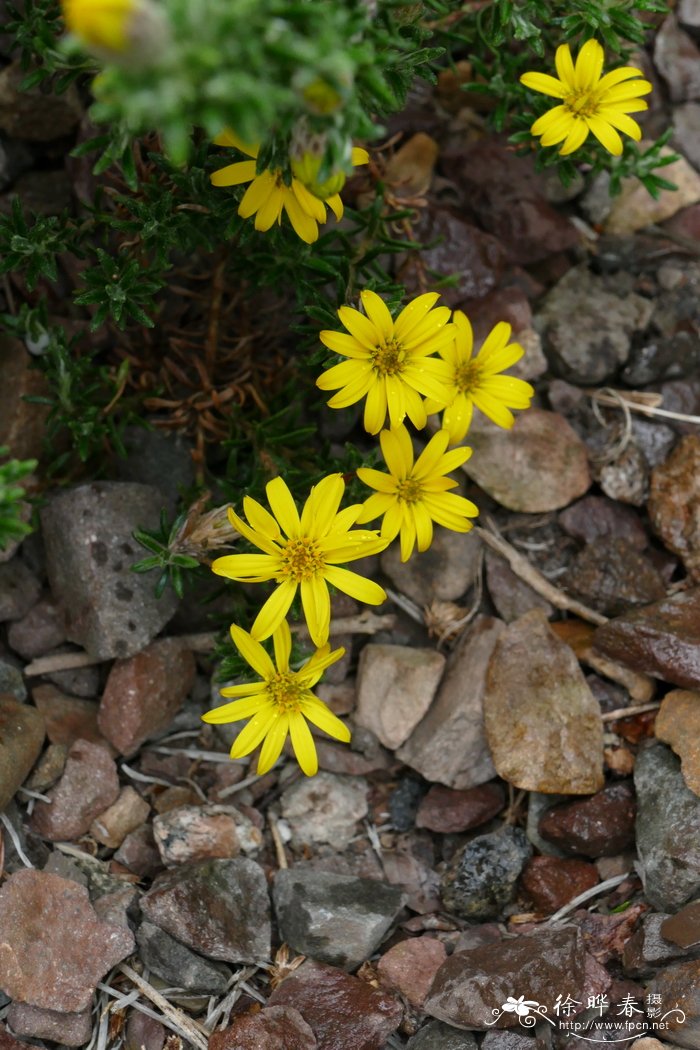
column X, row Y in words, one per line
column 12, row 495
column 33, row 248
column 34, row 27
column 120, row 288
column 164, row 556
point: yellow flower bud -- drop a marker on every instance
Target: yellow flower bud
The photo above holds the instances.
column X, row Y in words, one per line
column 306, row 168
column 128, row 29
column 321, row 98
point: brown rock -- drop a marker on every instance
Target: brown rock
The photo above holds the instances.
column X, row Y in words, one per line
column 662, row 639
column 49, row 768
column 539, row 465
column 599, row 826
column 679, row 985
column 39, row 631
column 649, row 947
column 683, row 928
column 272, row 1028
column 634, row 207
column 471, row 986
column 144, row 1032
column 678, row 724
column 22, row 423
column 449, row 745
column 19, row 589
column 125, row 815
column 395, row 687
column 611, row 576
column 139, row 853
column 53, row 949
column 542, row 722
column 450, row 812
column 511, row 595
column 144, row 693
column 674, row 502
column 21, row 739
column 88, row 786
column 70, row 1029
column 33, row 114
column 67, row 718
column 410, row 967
column 8, row 1042
column 343, row 1012
column 594, row 517
column 551, row 882
column 202, row 832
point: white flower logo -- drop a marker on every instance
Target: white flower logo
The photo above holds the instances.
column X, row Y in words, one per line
column 520, row 1006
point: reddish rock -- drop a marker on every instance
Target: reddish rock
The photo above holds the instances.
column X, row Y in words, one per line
column 450, row 812
column 551, row 882
column 539, row 465
column 144, row 1032
column 272, row 1028
column 192, row 833
column 599, row 826
column 410, row 967
column 674, row 502
column 70, row 1029
column 8, row 1042
column 594, row 517
column 39, row 631
column 662, row 639
column 21, row 740
column 343, row 1012
column 67, row 718
column 53, row 948
column 683, row 928
column 88, row 786
column 679, row 985
column 144, row 693
column 611, row 576
column 139, row 853
column 125, row 815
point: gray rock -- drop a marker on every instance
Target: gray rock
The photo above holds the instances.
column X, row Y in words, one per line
column 14, row 159
column 443, row 572
column 395, row 687
column 12, row 681
column 77, row 681
column 449, row 745
column 537, row 804
column 647, row 949
column 511, row 596
column 109, row 610
column 35, row 115
column 21, row 739
column 324, row 808
column 436, row 1035
column 480, row 879
column 177, row 965
column 603, row 320
column 505, row 1040
column 472, row 985
column 39, row 631
column 158, row 459
column 219, row 908
column 678, row 60
column 679, row 985
column 69, row 1029
column 337, row 919
column 668, row 830
column 19, row 590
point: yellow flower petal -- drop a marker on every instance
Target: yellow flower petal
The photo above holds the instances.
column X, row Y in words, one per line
column 274, row 610
column 344, row 344
column 246, row 690
column 282, row 642
column 274, row 742
column 317, row 609
column 359, row 326
column 576, row 138
column 565, row 66
column 606, row 135
column 261, row 519
column 397, row 450
column 234, row 174
column 321, row 716
column 355, row 585
column 303, row 744
column 378, row 313
column 304, row 225
column 375, row 408
column 251, row 735
column 259, row 191
column 237, row 710
column 376, row 480
column 457, row 418
column 283, row 506
column 424, row 526
column 589, row 65
column 544, row 83
column 255, row 567
column 321, row 508
column 413, row 314
column 252, row 652
column 230, row 138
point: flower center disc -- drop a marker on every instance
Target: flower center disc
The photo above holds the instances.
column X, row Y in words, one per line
column 582, row 103
column 389, row 359
column 467, row 377
column 285, row 691
column 409, row 490
column 301, row 559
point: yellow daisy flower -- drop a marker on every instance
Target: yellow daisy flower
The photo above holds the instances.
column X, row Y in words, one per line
column 268, row 196
column 589, row 102
column 475, row 381
column 280, row 703
column 389, row 360
column 414, row 495
column 100, row 23
column 308, row 556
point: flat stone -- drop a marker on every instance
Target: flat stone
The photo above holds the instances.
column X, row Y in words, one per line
column 144, row 693
column 678, row 724
column 449, row 745
column 649, row 947
column 450, row 812
column 683, row 928
column 668, row 830
column 626, row 477
column 108, row 609
column 674, row 502
column 611, row 576
column 22, row 423
column 663, row 639
column 511, row 596
column 89, row 785
column 324, row 808
column 686, row 125
column 67, row 718
column 551, row 882
column 679, row 986
column 438, row 1036
column 126, row 814
column 442, row 573
column 49, row 768
column 410, row 967
column 336, row 919
column 605, row 316
column 343, row 1012
column 395, row 687
column 190, row 833
column 53, row 948
column 69, row 1029
column 19, row 590
column 219, row 908
column 599, row 826
column 677, row 59
column 471, row 986
column 480, row 879
column 143, row 1032
column 272, row 1028
column 539, row 465
column 177, row 965
column 39, row 631
column 542, row 722
column 21, row 739
column 595, row 517
column 631, row 210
